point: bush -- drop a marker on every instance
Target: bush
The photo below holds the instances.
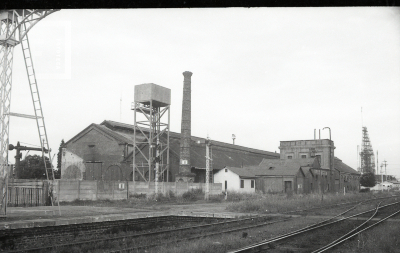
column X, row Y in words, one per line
column 365, row 190
column 189, row 196
column 236, row 197
column 170, row 194
column 192, row 195
column 216, row 198
column 138, row 196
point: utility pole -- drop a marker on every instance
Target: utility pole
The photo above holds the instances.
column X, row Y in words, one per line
column 377, row 162
column 385, row 164
column 381, row 173
column 208, row 158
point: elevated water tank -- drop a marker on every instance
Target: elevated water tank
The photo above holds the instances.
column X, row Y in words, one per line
column 160, row 96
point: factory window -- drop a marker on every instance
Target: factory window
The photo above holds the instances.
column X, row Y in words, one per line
column 289, row 157
column 303, row 156
column 241, row 183
column 252, row 183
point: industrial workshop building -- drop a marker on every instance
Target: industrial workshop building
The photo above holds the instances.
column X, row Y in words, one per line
column 104, row 152
column 304, row 166
column 298, row 175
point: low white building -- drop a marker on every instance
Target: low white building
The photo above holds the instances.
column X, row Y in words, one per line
column 236, row 179
column 382, row 186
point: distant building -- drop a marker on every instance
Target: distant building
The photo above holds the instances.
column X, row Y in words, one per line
column 322, row 149
column 379, row 178
column 297, row 175
column 346, row 178
column 385, row 186
column 276, row 176
column 236, row 179
column 104, row 152
column 305, row 166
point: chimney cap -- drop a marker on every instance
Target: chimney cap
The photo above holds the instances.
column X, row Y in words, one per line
column 187, row 74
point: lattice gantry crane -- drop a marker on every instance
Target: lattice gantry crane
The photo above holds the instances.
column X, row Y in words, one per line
column 14, row 28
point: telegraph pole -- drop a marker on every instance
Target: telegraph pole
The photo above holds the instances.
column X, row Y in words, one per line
column 385, row 164
column 208, row 158
column 377, row 162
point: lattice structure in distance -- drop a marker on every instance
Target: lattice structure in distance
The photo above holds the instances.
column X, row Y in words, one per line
column 367, row 156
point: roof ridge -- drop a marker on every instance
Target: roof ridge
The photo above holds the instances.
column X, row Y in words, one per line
column 221, row 144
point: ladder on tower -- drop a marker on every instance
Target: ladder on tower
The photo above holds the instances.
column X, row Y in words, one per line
column 37, row 106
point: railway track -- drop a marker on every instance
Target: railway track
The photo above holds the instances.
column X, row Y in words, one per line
column 145, row 236
column 337, row 205
column 223, row 231
column 271, row 244
column 184, row 233
column 14, row 239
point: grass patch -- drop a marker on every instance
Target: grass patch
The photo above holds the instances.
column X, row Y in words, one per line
column 279, row 203
column 383, row 238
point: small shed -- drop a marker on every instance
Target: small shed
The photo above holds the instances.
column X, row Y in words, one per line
column 236, row 179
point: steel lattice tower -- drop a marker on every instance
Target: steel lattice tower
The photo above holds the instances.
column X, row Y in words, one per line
column 14, row 28
column 152, row 102
column 367, row 154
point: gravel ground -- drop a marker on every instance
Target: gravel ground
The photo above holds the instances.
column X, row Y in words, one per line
column 67, row 211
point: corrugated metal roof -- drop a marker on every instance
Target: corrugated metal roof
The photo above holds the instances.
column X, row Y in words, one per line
column 223, row 154
column 115, row 125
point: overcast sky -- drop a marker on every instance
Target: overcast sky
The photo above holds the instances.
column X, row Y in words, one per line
column 264, row 74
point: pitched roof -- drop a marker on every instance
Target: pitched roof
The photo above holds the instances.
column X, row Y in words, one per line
column 274, row 167
column 223, row 154
column 242, row 172
column 100, row 128
column 342, row 167
column 119, row 137
column 283, row 167
column 117, row 125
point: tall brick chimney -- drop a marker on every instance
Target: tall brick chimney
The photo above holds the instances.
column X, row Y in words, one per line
column 185, row 173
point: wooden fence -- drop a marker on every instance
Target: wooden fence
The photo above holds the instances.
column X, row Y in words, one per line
column 24, row 192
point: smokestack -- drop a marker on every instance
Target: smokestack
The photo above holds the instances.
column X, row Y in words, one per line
column 315, row 130
column 184, row 164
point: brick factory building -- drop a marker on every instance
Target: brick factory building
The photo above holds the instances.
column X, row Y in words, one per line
column 104, row 152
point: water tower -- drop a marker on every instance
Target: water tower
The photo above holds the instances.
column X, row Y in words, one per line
column 151, row 120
